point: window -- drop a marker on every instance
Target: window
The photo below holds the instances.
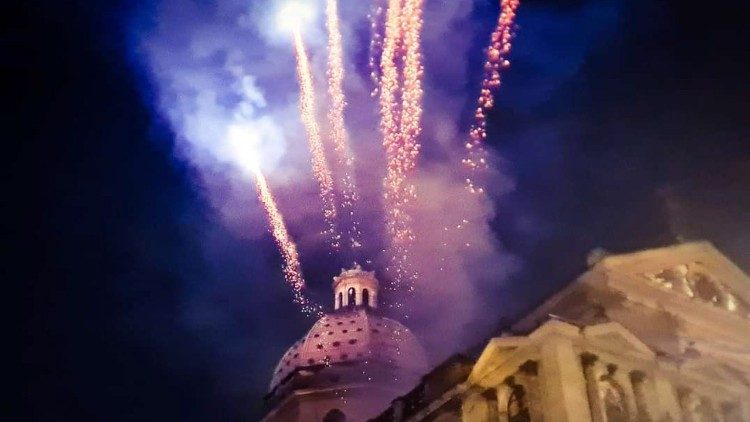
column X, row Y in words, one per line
column 365, row 297
column 341, row 299
column 351, row 300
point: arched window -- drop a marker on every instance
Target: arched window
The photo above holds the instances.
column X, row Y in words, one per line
column 352, row 297
column 341, row 299
column 334, row 415
column 518, row 407
column 365, row 297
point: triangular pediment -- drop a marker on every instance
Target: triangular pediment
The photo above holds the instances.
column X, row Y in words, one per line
column 694, row 270
column 612, row 335
column 685, row 291
column 716, row 371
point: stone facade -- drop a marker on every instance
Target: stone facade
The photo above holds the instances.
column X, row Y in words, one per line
column 657, row 335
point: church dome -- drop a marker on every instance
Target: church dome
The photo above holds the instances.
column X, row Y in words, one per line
column 354, row 334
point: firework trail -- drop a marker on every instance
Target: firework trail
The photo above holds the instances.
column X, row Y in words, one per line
column 397, row 221
column 319, row 164
column 376, row 43
column 339, row 135
column 400, row 116
column 497, row 59
column 287, row 247
column 411, row 101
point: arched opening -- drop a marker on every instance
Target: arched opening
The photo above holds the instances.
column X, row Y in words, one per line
column 366, row 297
column 518, row 407
column 341, row 299
column 351, row 297
column 334, row 415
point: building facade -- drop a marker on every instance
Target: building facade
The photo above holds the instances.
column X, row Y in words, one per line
column 657, row 335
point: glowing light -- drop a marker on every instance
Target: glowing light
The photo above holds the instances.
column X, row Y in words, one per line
column 339, row 135
column 320, row 168
column 293, row 16
column 291, row 267
column 244, row 143
column 496, row 60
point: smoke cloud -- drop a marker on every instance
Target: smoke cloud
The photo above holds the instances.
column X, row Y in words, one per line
column 226, row 68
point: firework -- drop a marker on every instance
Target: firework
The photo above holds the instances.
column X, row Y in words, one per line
column 496, row 60
column 320, row 168
column 292, row 268
column 339, row 135
column 400, row 115
column 411, row 107
column 376, row 43
column 394, row 184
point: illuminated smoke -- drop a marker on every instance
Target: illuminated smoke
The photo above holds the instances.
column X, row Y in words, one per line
column 339, row 135
column 292, row 268
column 400, row 126
column 317, row 154
column 497, row 59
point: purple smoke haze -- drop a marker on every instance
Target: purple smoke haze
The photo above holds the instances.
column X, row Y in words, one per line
column 220, row 67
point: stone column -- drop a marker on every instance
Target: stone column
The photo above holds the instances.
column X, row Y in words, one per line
column 593, row 371
column 503, row 396
column 643, row 394
column 668, row 405
column 623, row 379
column 528, row 377
column 562, row 381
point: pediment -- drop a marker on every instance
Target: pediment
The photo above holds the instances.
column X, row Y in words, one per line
column 612, row 335
column 718, row 372
column 498, row 351
column 694, row 271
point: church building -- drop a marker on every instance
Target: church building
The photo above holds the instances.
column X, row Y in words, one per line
column 656, row 335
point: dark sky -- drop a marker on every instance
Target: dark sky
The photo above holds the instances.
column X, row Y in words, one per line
column 622, row 137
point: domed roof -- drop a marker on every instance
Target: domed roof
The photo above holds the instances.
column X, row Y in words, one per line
column 351, row 335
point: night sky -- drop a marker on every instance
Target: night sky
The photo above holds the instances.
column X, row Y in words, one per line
column 623, row 125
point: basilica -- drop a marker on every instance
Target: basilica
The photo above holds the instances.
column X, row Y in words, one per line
column 655, row 335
